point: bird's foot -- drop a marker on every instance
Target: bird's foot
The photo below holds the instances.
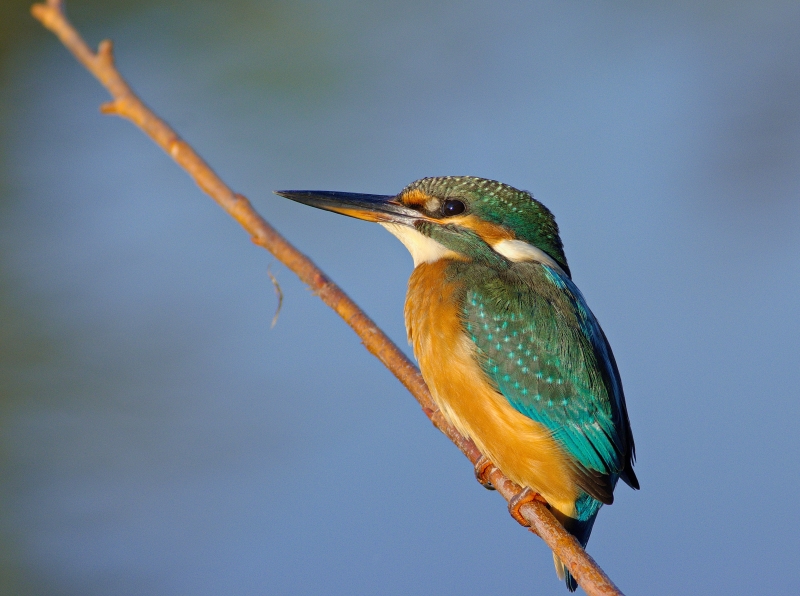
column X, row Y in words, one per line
column 483, row 468
column 526, row 495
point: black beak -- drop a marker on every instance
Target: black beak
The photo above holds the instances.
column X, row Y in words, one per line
column 378, row 208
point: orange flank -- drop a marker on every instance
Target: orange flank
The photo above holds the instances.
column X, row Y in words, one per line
column 524, row 450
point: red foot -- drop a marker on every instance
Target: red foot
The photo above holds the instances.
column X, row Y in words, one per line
column 483, row 469
column 526, row 495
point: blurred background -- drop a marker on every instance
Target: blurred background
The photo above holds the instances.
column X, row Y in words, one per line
column 158, row 437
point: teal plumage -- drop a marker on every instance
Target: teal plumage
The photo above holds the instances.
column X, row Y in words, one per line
column 544, row 351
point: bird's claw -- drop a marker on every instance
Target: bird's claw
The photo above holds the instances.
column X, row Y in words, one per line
column 526, row 495
column 483, row 468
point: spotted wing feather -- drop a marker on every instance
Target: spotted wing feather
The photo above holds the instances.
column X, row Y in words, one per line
column 542, row 348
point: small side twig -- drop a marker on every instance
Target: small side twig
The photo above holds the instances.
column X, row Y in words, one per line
column 126, row 104
column 279, row 294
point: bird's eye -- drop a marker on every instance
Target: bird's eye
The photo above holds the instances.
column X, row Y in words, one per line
column 452, row 207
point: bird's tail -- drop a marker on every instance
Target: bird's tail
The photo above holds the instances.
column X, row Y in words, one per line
column 564, row 574
column 581, row 530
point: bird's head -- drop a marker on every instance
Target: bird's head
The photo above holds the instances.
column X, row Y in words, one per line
column 457, row 217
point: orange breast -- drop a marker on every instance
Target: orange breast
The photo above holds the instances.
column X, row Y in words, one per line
column 523, row 449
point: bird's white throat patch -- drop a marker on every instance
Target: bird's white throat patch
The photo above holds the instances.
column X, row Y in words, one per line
column 422, row 248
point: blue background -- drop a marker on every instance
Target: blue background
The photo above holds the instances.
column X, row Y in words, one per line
column 156, row 436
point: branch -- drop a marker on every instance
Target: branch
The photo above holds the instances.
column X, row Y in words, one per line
column 126, row 104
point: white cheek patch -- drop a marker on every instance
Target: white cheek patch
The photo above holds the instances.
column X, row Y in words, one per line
column 422, row 248
column 518, row 251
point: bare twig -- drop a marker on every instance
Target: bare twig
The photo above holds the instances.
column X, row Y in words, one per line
column 126, row 104
column 279, row 294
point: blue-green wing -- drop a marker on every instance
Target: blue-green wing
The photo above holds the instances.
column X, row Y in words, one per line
column 545, row 352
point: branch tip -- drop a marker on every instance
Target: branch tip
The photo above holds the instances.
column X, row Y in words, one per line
column 43, row 13
column 48, row 13
column 105, row 51
column 110, row 107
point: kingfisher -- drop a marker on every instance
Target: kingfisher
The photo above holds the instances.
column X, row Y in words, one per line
column 513, row 357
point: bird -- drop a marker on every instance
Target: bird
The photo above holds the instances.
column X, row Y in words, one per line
column 513, row 357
